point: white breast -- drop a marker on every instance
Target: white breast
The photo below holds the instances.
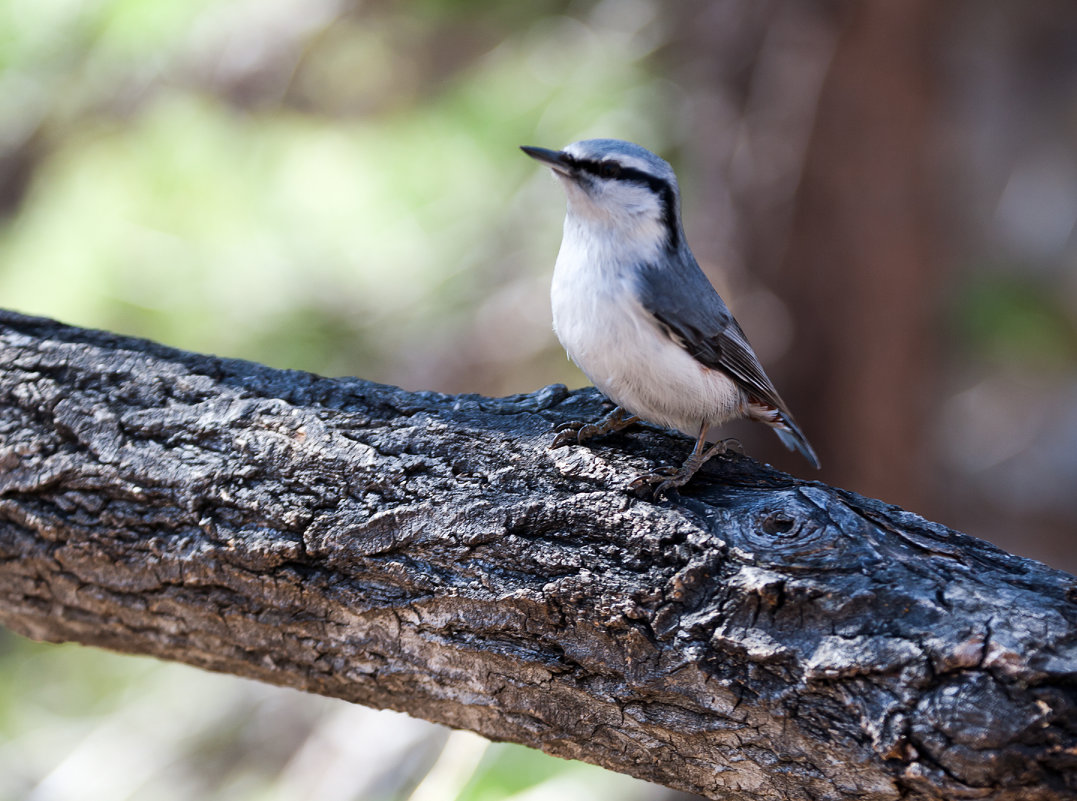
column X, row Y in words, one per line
column 620, row 347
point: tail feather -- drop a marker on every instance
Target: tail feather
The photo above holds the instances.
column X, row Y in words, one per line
column 785, row 427
column 793, row 438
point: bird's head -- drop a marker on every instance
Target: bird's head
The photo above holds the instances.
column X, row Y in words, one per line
column 617, row 185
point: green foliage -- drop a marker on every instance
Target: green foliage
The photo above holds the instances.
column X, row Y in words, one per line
column 508, row 770
column 40, row 682
column 164, row 209
column 511, row 770
column 1007, row 318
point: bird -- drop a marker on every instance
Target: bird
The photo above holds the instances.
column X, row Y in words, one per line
column 637, row 315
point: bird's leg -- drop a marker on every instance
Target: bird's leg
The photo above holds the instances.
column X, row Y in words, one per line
column 578, row 432
column 665, row 479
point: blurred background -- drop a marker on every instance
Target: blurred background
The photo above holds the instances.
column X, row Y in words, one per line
column 885, row 193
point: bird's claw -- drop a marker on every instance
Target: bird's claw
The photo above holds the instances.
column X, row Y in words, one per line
column 575, row 432
column 731, row 444
column 665, row 479
column 655, row 485
column 578, row 432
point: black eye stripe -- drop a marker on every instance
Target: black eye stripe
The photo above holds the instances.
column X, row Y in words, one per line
column 618, row 171
column 660, row 186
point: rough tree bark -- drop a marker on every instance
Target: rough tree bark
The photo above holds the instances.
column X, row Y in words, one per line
column 758, row 637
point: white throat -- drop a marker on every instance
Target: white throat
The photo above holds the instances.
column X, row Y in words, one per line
column 607, row 244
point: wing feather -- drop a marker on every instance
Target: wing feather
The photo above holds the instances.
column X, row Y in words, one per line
column 693, row 315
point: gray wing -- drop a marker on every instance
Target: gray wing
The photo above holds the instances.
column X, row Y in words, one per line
column 693, row 314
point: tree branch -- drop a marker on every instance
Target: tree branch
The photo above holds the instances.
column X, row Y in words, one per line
column 759, row 637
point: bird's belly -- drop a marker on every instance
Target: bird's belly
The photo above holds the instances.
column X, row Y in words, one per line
column 617, row 344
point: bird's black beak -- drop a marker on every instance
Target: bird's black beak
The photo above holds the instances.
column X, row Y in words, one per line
column 554, row 159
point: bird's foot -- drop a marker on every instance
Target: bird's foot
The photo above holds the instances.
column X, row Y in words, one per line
column 730, row 444
column 665, row 479
column 577, row 432
column 655, row 485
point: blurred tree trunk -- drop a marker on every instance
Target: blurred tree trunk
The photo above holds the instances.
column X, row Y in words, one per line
column 813, row 127
column 860, row 271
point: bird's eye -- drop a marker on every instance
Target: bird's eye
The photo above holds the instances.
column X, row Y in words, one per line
column 609, row 169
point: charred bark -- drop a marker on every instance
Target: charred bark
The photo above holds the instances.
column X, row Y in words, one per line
column 759, row 636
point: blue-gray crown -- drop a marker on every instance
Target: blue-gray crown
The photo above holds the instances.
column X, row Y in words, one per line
column 628, row 154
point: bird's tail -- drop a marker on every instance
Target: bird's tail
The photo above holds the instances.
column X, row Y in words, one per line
column 784, row 426
column 793, row 438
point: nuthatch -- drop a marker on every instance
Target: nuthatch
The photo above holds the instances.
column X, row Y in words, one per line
column 636, row 313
